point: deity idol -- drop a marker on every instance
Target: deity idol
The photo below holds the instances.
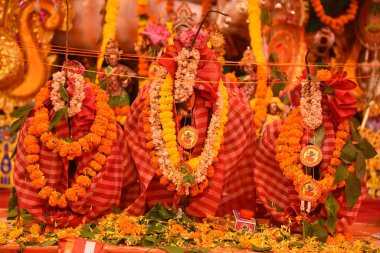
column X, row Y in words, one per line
column 68, row 166
column 190, row 135
column 310, row 166
column 116, row 79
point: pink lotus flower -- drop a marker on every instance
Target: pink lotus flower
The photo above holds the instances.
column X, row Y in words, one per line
column 157, row 34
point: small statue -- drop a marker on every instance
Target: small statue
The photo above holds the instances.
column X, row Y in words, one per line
column 249, row 68
column 116, row 80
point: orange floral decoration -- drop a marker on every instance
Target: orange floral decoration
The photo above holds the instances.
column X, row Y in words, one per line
column 338, row 22
column 206, row 6
column 142, row 11
column 101, row 136
column 255, row 32
column 288, row 148
column 169, row 7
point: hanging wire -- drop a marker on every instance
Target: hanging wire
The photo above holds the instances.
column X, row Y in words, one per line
column 90, row 53
column 147, row 78
column 67, row 31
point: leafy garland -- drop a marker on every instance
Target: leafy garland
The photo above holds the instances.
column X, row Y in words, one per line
column 101, row 136
column 260, row 109
column 161, row 136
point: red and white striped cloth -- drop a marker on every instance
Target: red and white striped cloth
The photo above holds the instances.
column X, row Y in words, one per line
column 233, row 186
column 104, row 191
column 271, row 184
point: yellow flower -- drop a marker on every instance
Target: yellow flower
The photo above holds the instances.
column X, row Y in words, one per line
column 35, row 229
column 323, row 75
column 3, row 228
column 15, row 233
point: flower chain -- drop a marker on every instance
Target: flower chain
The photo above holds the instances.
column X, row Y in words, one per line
column 310, row 104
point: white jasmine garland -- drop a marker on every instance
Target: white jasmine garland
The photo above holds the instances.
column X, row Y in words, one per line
column 75, row 103
column 310, row 104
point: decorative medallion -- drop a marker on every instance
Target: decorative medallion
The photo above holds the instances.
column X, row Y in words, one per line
column 187, row 137
column 310, row 191
column 311, row 155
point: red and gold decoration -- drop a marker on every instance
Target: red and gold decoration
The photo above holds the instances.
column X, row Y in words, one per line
column 311, row 155
column 187, row 137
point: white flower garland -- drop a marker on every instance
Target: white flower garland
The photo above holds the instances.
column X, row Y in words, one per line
column 186, row 73
column 310, row 104
column 76, row 100
column 212, row 143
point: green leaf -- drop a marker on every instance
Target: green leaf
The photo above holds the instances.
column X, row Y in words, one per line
column 22, row 111
column 328, row 90
column 148, row 241
column 276, row 88
column 182, row 169
column 58, row 117
column 27, row 217
column 316, row 230
column 355, row 135
column 159, row 212
column 188, row 179
column 116, row 210
column 332, row 207
column 367, row 149
column 352, row 190
column 348, row 153
column 12, row 214
column 319, row 136
column 355, row 122
column 15, row 127
column 340, row 174
column 63, row 93
column 48, row 243
column 360, row 166
column 12, row 203
column 88, row 231
column 121, row 100
column 260, row 249
column 265, row 17
column 175, row 249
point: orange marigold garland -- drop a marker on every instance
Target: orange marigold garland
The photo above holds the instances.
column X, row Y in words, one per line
column 260, row 109
column 288, row 148
column 338, row 22
column 102, row 134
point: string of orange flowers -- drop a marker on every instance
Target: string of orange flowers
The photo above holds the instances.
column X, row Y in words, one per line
column 261, row 103
column 101, row 136
column 142, row 11
column 338, row 22
column 288, row 148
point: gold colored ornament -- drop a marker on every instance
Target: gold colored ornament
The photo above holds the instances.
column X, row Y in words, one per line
column 311, row 155
column 187, row 137
column 310, row 191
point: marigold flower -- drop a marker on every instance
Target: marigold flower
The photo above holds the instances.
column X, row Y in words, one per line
column 53, row 198
column 335, row 162
column 194, row 190
column 210, row 171
column 35, row 229
column 62, row 202
column 149, row 145
column 111, row 135
column 32, row 167
column 64, row 151
column 54, row 144
column 32, row 158
column 75, row 149
column 98, row 130
column 30, row 140
column 336, row 153
column 88, row 171
column 351, row 168
column 38, row 183
column 84, row 181
column 342, row 135
column 203, row 185
column 323, row 74
column 71, row 195
column 42, row 127
column 32, row 129
column 177, row 229
column 45, row 192
column 181, row 191
column 164, row 180
column 154, row 162
column 100, row 158
column 171, row 187
column 46, row 136
column 95, row 165
column 36, row 174
column 79, row 190
column 16, row 233
column 84, row 145
column 93, row 139
column 147, row 129
column 158, row 172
